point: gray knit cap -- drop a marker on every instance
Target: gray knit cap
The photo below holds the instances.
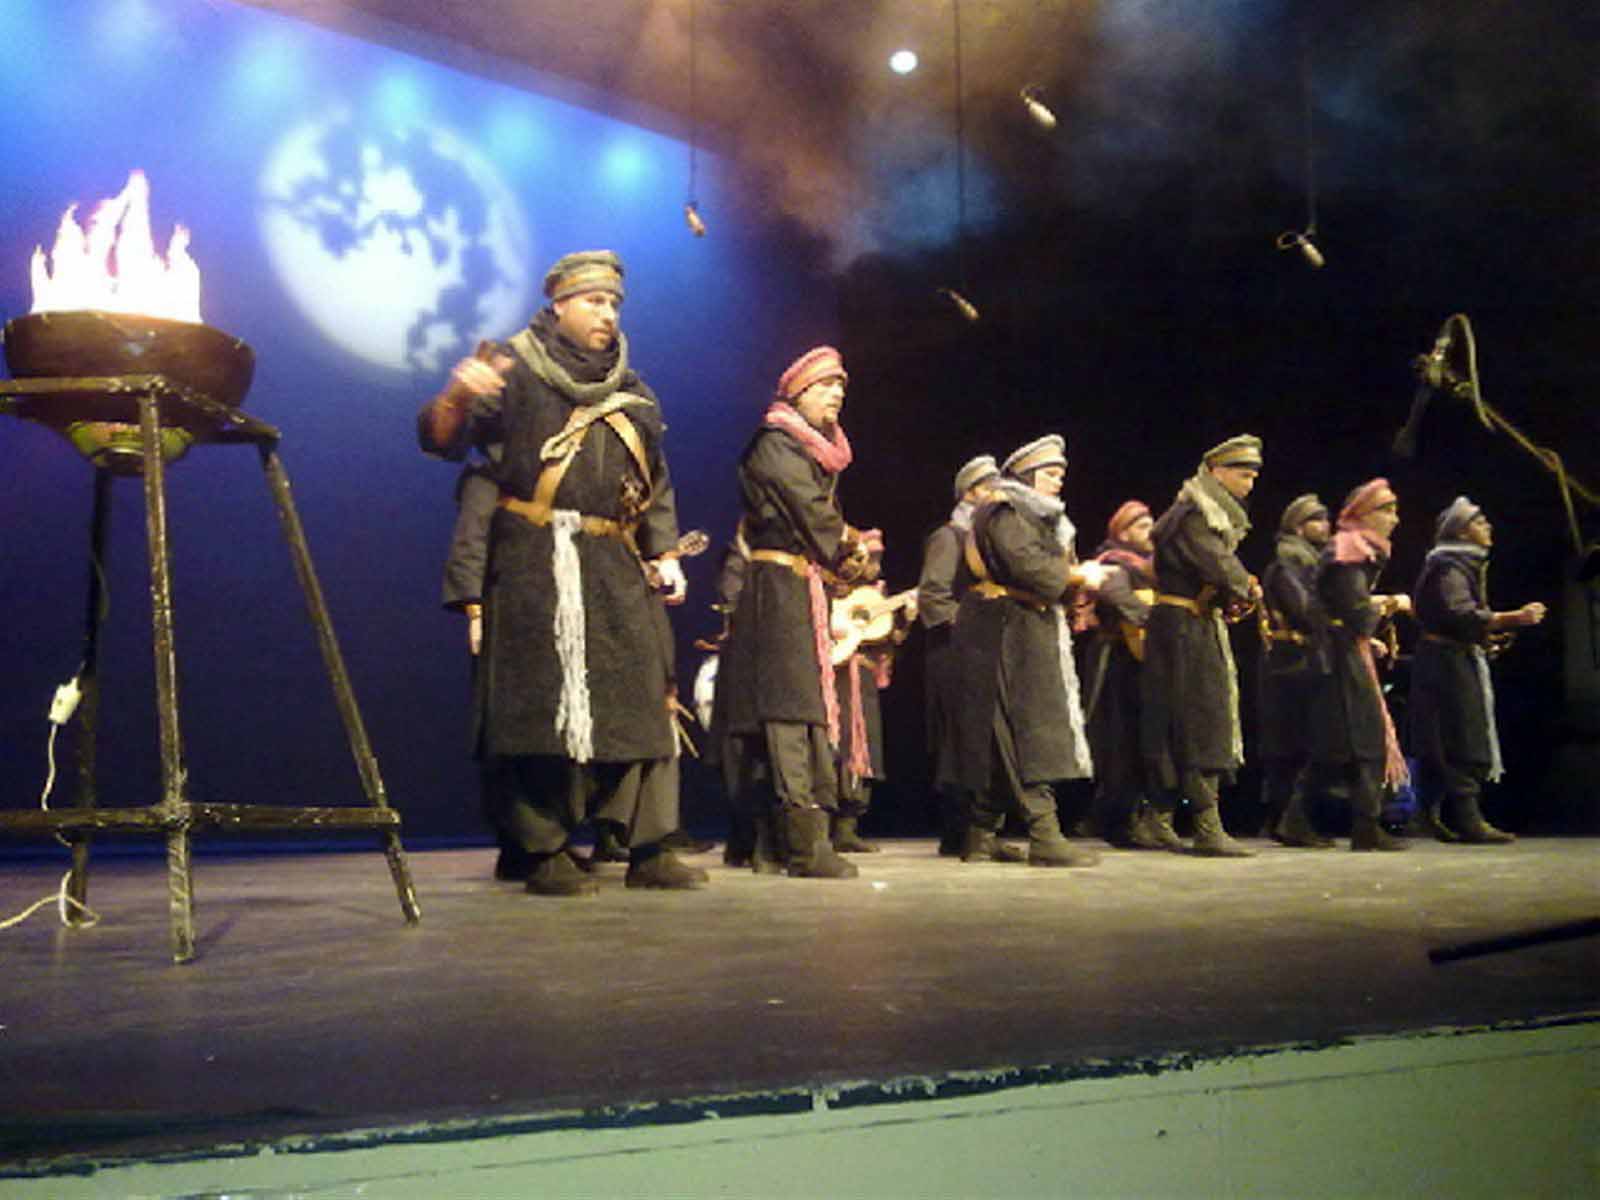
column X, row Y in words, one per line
column 1455, row 519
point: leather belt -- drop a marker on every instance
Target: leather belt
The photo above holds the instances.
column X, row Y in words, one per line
column 798, row 563
column 991, row 590
column 536, row 513
column 1448, row 641
column 1292, row 636
column 1187, row 603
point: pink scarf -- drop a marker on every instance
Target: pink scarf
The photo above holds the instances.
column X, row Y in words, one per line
column 832, row 456
column 1355, row 544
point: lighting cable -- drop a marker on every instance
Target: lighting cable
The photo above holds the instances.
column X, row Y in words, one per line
column 62, row 707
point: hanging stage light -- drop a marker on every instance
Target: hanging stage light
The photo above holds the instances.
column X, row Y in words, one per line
column 1037, row 109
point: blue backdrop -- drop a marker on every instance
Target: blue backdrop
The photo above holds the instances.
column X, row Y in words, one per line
column 360, row 217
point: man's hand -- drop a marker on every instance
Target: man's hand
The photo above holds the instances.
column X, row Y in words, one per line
column 482, row 376
column 670, row 572
column 1530, row 614
column 1091, row 575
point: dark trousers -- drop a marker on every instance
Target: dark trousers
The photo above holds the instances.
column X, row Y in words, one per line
column 1361, row 780
column 789, row 763
column 1006, row 791
column 544, row 798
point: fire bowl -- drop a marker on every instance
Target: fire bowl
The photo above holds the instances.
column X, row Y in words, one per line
column 74, row 345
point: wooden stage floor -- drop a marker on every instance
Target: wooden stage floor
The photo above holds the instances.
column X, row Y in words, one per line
column 313, row 1010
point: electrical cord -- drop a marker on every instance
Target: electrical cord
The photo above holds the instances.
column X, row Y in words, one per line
column 62, row 706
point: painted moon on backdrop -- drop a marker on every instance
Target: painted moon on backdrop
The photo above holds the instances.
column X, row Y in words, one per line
column 403, row 247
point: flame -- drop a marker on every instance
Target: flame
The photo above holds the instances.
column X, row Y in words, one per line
column 79, row 272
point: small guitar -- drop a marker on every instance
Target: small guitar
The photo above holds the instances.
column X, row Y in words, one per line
column 690, row 544
column 865, row 615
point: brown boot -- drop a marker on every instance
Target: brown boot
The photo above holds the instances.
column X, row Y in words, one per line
column 981, row 845
column 557, row 875
column 1367, row 834
column 846, row 839
column 1432, row 819
column 1472, row 826
column 1211, row 840
column 1048, row 847
column 1158, row 827
column 663, row 869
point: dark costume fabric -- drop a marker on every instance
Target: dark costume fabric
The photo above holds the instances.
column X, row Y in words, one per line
column 944, row 580
column 1346, row 715
column 576, row 661
column 1015, row 672
column 769, row 669
column 1291, row 627
column 1452, row 702
column 1190, row 720
column 1112, row 685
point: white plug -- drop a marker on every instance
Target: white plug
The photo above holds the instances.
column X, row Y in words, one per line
column 65, row 702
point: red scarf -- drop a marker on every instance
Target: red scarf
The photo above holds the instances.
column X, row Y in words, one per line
column 832, row 456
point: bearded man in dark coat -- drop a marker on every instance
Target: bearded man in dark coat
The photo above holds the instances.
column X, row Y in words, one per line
column 1020, row 723
column 1353, row 738
column 944, row 580
column 575, row 680
column 1453, row 732
column 1114, row 664
column 1290, row 625
column 775, row 686
column 1190, row 733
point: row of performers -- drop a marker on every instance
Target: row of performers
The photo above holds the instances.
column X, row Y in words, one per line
column 1147, row 701
column 566, row 556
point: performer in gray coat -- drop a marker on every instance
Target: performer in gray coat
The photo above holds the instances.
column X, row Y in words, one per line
column 1290, row 625
column 1020, row 724
column 574, row 685
column 775, row 685
column 1453, row 730
column 944, row 580
column 1190, row 733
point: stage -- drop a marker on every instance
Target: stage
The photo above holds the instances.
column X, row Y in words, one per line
column 313, row 1012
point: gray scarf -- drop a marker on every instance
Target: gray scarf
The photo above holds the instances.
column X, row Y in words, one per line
column 532, row 350
column 1224, row 515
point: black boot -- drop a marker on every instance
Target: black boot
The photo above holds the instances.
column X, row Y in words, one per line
column 1294, row 828
column 811, row 855
column 1431, row 818
column 770, row 854
column 1211, row 840
column 513, row 862
column 684, row 842
column 846, row 840
column 610, row 843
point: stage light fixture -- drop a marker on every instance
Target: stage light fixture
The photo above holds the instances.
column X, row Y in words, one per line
column 1290, row 239
column 1037, row 109
column 691, row 216
column 903, row 62
column 965, row 307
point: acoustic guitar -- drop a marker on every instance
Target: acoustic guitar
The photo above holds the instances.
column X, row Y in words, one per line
column 864, row 615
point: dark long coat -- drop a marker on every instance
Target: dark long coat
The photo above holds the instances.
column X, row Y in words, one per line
column 769, row 668
column 1289, row 670
column 1187, row 722
column 944, row 580
column 1346, row 715
column 627, row 651
column 1111, row 680
column 1008, row 653
column 1448, row 711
